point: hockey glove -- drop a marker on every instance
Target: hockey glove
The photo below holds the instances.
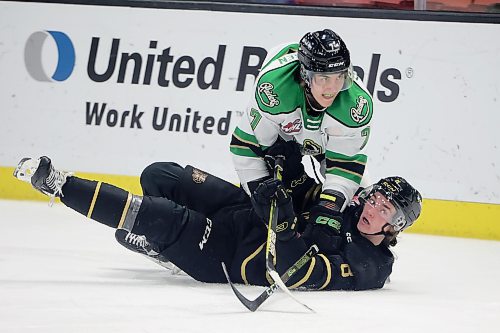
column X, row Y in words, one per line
column 261, row 201
column 292, row 166
column 325, row 221
column 252, row 185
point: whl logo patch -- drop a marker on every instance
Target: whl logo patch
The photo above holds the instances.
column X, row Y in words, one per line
column 34, row 56
column 292, row 127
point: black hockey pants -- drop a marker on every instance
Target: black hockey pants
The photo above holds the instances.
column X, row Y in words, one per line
column 197, row 233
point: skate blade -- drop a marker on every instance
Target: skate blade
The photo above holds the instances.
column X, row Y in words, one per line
column 174, row 270
column 26, row 168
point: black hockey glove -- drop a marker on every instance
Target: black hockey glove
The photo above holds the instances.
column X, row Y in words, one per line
column 325, row 221
column 292, row 165
column 252, row 185
column 261, row 201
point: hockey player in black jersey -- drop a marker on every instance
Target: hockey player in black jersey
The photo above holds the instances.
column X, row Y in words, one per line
column 170, row 222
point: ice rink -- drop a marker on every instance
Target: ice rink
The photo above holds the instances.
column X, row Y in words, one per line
column 60, row 272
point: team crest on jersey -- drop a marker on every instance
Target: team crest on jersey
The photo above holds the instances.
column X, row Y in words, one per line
column 292, row 127
column 199, row 176
column 267, row 95
column 309, row 147
column 361, row 111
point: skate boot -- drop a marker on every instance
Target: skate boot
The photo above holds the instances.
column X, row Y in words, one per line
column 42, row 176
column 136, row 243
column 139, row 244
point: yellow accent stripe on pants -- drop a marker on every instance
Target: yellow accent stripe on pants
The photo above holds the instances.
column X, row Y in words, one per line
column 94, row 199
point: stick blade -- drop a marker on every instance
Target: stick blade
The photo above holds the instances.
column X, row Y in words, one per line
column 245, row 301
column 274, row 275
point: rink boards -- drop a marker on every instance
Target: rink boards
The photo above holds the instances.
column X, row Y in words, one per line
column 107, row 90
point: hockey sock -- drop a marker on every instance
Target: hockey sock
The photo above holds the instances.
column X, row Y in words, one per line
column 99, row 201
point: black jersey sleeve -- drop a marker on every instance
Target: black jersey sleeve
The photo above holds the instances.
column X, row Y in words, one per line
column 359, row 265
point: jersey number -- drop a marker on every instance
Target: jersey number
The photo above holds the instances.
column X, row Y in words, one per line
column 366, row 133
column 345, row 270
column 256, row 118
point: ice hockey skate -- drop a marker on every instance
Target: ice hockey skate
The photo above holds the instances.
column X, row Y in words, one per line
column 139, row 244
column 41, row 174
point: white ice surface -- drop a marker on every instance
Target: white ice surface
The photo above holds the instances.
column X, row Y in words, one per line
column 60, row 272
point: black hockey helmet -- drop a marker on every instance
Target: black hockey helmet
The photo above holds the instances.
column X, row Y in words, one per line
column 324, row 52
column 405, row 198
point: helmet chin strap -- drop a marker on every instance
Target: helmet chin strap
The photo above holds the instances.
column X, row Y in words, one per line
column 381, row 232
column 313, row 104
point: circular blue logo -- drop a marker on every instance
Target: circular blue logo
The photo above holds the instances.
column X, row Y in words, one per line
column 33, row 56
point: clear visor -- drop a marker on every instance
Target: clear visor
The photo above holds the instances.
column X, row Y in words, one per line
column 337, row 80
column 374, row 197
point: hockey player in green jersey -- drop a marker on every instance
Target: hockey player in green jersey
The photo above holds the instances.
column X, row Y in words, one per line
column 308, row 96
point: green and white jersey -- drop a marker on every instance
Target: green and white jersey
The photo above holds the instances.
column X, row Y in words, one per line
column 278, row 108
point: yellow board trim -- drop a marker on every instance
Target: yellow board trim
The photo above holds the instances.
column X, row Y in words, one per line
column 125, row 210
column 94, row 199
column 328, row 271
column 243, row 268
column 11, row 188
column 439, row 217
column 307, row 276
column 459, row 219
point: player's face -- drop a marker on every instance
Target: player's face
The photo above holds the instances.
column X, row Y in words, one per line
column 326, row 86
column 377, row 212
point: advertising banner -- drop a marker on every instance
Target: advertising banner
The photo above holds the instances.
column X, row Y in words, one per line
column 111, row 89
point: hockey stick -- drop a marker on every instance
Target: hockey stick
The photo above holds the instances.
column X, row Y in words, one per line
column 271, row 237
column 253, row 305
column 273, row 220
